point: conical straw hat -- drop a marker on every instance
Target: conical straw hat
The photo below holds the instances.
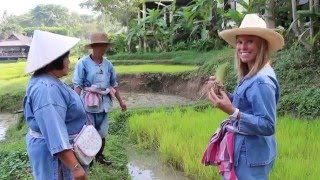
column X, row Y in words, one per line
column 46, row 47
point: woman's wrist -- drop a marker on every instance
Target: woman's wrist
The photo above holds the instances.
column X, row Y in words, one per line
column 235, row 114
column 75, row 167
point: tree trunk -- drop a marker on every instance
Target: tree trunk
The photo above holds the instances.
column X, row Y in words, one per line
column 310, row 19
column 269, row 14
column 316, row 6
column 295, row 18
column 144, row 9
column 295, row 26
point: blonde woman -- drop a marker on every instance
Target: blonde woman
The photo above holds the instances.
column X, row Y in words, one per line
column 252, row 106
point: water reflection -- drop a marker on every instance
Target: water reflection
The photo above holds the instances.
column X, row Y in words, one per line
column 2, row 132
column 146, row 165
column 6, row 119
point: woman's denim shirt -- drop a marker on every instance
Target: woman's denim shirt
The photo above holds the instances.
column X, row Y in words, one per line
column 257, row 98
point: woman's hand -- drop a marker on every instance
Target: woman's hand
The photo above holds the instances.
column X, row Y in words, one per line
column 207, row 86
column 79, row 174
column 212, row 78
column 123, row 106
column 222, row 103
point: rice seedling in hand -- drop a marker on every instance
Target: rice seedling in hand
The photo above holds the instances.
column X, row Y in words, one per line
column 218, row 83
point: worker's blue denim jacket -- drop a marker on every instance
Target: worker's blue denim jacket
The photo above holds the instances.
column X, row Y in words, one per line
column 256, row 98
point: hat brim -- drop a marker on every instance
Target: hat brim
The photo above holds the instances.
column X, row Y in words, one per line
column 274, row 39
column 109, row 44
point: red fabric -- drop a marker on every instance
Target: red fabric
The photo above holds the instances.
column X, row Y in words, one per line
column 219, row 152
column 92, row 99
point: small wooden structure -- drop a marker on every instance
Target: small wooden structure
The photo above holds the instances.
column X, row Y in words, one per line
column 14, row 47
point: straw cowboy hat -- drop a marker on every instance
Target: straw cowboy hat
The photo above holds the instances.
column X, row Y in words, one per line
column 252, row 24
column 98, row 38
column 47, row 47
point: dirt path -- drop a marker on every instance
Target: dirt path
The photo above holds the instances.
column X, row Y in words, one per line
column 135, row 100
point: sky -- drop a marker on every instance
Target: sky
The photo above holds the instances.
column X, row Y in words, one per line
column 18, row 7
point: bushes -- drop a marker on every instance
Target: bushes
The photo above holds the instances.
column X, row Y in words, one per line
column 302, row 103
column 11, row 101
column 14, row 165
column 298, row 74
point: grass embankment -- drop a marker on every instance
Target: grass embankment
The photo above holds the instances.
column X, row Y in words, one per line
column 181, row 136
column 14, row 160
column 177, row 57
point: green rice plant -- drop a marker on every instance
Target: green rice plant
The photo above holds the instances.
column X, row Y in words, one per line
column 181, row 135
column 154, row 68
column 11, row 70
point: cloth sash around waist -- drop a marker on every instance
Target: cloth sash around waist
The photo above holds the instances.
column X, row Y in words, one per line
column 39, row 135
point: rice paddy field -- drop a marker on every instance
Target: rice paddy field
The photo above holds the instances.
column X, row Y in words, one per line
column 13, row 79
column 181, row 135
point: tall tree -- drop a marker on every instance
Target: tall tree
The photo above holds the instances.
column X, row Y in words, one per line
column 118, row 10
column 49, row 15
column 269, row 13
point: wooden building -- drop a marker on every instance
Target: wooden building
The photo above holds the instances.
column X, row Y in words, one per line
column 14, row 47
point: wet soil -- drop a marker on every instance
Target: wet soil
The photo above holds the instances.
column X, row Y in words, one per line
column 139, row 100
column 147, row 165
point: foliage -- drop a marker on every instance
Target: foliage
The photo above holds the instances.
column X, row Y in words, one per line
column 119, row 42
column 297, row 71
column 306, row 26
column 14, row 165
column 119, row 10
column 7, row 29
column 56, row 19
column 49, row 15
column 58, row 30
column 135, row 33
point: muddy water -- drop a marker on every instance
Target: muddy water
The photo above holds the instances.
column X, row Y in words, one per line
column 146, row 165
column 6, row 119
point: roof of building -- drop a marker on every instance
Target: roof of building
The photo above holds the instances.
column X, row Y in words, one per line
column 16, row 40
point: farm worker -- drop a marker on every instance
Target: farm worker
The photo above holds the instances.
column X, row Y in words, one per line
column 95, row 80
column 252, row 106
column 53, row 111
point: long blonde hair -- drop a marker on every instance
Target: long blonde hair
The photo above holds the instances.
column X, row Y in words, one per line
column 261, row 60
